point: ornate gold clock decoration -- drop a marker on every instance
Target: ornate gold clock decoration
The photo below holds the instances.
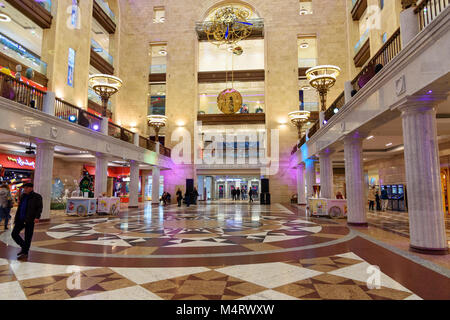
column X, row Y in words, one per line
column 229, row 25
column 229, row 101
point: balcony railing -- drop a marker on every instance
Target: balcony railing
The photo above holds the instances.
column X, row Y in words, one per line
column 120, row 133
column 389, row 51
column 20, row 92
column 106, row 9
column 335, row 106
column 102, row 52
column 158, row 68
column 46, row 4
column 69, row 112
column 164, row 151
column 428, row 10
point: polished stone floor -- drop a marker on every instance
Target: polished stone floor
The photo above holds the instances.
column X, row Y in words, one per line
column 213, row 251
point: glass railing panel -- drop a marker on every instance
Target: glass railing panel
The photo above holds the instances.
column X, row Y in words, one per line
column 17, row 52
column 307, row 62
column 361, row 41
column 46, row 4
column 106, row 9
column 158, row 68
column 102, row 52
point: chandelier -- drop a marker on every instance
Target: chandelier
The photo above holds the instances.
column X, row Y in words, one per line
column 322, row 78
column 228, row 26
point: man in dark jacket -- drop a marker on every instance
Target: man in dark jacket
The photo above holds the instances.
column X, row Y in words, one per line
column 28, row 213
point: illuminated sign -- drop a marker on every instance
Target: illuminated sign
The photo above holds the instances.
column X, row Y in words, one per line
column 22, row 162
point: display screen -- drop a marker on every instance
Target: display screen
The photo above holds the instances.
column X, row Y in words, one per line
column 71, row 67
column 394, row 189
column 400, row 189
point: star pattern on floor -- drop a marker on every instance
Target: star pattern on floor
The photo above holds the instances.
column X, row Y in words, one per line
column 183, row 230
column 320, row 278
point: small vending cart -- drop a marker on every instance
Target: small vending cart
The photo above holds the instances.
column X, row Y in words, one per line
column 78, row 206
column 108, row 206
column 334, row 208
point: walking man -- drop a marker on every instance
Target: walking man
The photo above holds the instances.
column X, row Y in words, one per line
column 250, row 195
column 28, row 213
column 384, row 199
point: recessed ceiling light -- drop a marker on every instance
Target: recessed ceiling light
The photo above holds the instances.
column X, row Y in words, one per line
column 4, row 17
column 163, row 52
column 162, row 19
column 306, row 88
column 389, row 144
column 371, row 137
column 303, row 12
column 304, row 45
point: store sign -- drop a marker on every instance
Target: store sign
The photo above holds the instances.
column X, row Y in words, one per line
column 9, row 161
column 22, row 162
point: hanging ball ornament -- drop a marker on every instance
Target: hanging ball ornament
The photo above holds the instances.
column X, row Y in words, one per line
column 229, row 101
column 29, row 73
column 238, row 51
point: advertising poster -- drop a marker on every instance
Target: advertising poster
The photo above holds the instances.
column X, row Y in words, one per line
column 71, row 67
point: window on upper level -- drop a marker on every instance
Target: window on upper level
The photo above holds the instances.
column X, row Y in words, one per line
column 253, row 100
column 159, row 15
column 158, row 54
column 307, row 51
column 213, row 58
column 305, row 7
column 100, row 41
column 308, row 97
column 20, row 40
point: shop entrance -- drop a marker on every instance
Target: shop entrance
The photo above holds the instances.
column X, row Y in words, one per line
column 221, row 187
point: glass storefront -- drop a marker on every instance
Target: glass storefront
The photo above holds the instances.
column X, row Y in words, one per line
column 148, row 188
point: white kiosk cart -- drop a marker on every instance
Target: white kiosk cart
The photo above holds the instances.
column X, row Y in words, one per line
column 79, row 206
column 334, row 208
column 108, row 206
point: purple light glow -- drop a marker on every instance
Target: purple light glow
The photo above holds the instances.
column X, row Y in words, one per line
column 95, row 127
column 431, row 91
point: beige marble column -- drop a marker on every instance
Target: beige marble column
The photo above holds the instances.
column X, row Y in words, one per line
column 326, row 175
column 426, row 217
column 101, row 174
column 134, row 184
column 301, row 196
column 354, row 181
column 155, row 185
column 310, row 178
column 43, row 175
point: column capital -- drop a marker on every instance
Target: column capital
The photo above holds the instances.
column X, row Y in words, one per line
column 327, row 152
column 355, row 136
column 420, row 103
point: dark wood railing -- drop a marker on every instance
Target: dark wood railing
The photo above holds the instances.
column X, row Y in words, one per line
column 314, row 129
column 120, row 133
column 428, row 10
column 21, row 92
column 67, row 111
column 164, row 151
column 146, row 143
column 388, row 51
column 337, row 104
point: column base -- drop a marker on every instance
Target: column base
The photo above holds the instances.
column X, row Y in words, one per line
column 431, row 251
column 358, row 224
column 133, row 207
column 301, row 204
column 44, row 220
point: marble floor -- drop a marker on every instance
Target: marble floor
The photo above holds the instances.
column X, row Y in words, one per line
column 213, row 251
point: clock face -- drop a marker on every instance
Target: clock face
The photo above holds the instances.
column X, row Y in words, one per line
column 229, row 101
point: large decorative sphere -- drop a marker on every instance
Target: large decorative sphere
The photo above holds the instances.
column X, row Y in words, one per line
column 29, row 74
column 229, row 101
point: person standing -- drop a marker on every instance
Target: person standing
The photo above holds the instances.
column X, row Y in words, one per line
column 233, row 193
column 194, row 196
column 179, row 197
column 384, row 199
column 6, row 203
column 250, row 195
column 378, row 200
column 187, row 198
column 238, row 194
column 28, row 213
column 371, row 198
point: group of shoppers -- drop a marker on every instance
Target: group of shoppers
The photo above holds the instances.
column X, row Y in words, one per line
column 189, row 197
column 381, row 200
column 27, row 215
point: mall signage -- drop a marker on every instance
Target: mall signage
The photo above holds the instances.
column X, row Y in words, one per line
column 17, row 162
